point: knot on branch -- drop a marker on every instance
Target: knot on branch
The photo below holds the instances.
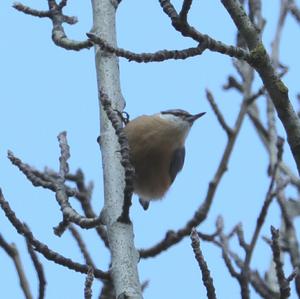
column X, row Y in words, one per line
column 258, row 56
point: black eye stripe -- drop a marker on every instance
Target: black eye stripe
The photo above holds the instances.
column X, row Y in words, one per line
column 176, row 112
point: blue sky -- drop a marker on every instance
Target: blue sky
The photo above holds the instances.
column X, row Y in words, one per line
column 46, row 89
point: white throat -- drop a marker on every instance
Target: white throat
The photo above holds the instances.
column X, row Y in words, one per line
column 176, row 121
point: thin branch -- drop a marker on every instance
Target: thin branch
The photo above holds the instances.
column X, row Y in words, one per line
column 261, row 62
column 61, row 227
column 282, row 281
column 30, row 11
column 271, row 121
column 289, row 234
column 54, row 13
column 263, row 134
column 82, row 246
column 62, row 4
column 64, row 156
column 294, row 10
column 233, row 83
column 206, row 277
column 259, row 223
column 255, row 8
column 186, row 6
column 253, row 276
column 69, row 214
column 37, row 178
column 226, row 257
column 211, row 237
column 189, row 31
column 83, row 194
column 278, row 33
column 62, row 192
column 88, row 284
column 47, row 180
column 39, row 270
column 107, row 291
column 218, row 113
column 293, row 275
column 41, row 247
column 13, row 252
column 124, row 150
column 257, row 282
column 268, row 199
column 161, row 55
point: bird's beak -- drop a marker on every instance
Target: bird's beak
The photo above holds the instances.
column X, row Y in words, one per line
column 192, row 118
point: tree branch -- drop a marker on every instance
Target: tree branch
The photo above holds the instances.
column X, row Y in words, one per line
column 206, row 278
column 261, row 61
column 124, row 150
column 161, row 55
column 188, row 31
column 39, row 270
column 54, row 13
column 282, row 281
column 120, row 235
column 88, row 284
column 13, row 252
column 42, row 248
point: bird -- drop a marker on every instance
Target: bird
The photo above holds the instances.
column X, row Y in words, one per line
column 157, row 151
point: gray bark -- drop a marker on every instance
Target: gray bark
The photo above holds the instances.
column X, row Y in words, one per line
column 120, row 236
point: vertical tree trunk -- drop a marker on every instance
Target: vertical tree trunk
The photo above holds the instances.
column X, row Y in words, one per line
column 120, row 236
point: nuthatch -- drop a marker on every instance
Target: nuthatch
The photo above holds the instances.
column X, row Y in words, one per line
column 157, row 150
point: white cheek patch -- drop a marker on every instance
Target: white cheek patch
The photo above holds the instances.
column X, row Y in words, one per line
column 170, row 117
column 181, row 124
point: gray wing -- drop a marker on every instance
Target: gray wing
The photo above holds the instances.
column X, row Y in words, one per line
column 177, row 162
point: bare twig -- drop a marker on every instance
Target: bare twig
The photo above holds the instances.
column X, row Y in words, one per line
column 82, row 246
column 88, row 284
column 186, row 30
column 255, row 11
column 186, row 6
column 218, row 113
column 13, row 252
column 62, row 4
column 289, row 234
column 261, row 61
column 260, row 221
column 42, row 248
column 61, row 227
column 233, row 83
column 30, row 11
column 69, row 214
column 294, row 10
column 83, row 194
column 37, row 178
column 228, row 255
column 282, row 281
column 39, row 270
column 161, row 55
column 263, row 134
column 57, row 185
column 124, row 150
column 54, row 13
column 107, row 291
column 47, row 180
column 206, row 278
column 268, row 199
column 257, row 282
